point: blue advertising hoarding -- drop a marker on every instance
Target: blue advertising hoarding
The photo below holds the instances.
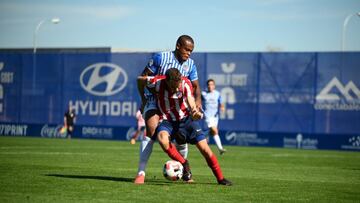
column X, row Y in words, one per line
column 271, row 99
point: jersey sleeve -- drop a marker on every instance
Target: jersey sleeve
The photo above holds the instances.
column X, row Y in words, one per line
column 154, row 63
column 193, row 75
column 153, row 82
column 203, row 94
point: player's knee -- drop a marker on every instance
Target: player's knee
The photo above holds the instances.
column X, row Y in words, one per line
column 213, row 131
column 163, row 137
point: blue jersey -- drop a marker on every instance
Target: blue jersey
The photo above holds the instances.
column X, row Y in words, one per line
column 161, row 62
column 211, row 103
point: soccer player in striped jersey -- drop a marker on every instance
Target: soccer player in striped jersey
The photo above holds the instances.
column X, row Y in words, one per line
column 179, row 113
column 212, row 103
column 158, row 65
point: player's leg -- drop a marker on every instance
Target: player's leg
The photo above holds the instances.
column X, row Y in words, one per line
column 146, row 146
column 135, row 136
column 215, row 134
column 70, row 131
column 197, row 137
column 212, row 124
column 212, row 161
column 140, row 130
column 180, row 144
column 183, row 149
column 163, row 135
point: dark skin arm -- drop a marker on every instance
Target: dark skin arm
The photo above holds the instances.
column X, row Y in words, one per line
column 141, row 83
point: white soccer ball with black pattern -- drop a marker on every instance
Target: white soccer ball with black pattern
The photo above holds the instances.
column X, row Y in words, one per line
column 173, row 170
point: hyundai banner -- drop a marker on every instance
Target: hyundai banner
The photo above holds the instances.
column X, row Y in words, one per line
column 293, row 100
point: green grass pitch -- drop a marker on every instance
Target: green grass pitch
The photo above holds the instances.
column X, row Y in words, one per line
column 60, row 170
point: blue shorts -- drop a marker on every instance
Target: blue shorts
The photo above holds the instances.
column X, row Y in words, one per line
column 190, row 130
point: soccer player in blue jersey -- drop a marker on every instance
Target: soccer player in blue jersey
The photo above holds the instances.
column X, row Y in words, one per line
column 212, row 103
column 158, row 65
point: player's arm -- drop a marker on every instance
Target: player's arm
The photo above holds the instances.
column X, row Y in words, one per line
column 197, row 93
column 141, row 84
column 194, row 110
column 193, row 77
column 146, row 72
column 221, row 104
column 222, row 107
column 150, row 69
column 65, row 121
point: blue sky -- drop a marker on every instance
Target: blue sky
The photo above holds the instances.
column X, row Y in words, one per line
column 216, row 26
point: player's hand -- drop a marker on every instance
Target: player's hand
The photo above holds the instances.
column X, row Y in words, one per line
column 196, row 115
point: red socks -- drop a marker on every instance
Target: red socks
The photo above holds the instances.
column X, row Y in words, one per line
column 215, row 167
column 212, row 161
column 174, row 154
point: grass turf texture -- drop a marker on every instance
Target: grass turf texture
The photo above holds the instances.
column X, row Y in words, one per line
column 60, row 170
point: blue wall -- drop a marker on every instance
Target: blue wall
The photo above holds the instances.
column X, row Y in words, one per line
column 271, row 98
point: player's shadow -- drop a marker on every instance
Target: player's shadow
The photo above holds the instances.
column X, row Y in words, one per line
column 109, row 178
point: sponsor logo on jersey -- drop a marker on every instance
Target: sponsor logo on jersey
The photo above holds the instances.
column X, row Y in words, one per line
column 185, row 67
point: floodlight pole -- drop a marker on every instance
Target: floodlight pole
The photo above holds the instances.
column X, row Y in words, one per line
column 36, row 31
column 53, row 20
column 347, row 19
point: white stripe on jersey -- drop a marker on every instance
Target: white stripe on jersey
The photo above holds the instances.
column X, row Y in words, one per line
column 178, row 109
column 169, row 61
column 167, row 104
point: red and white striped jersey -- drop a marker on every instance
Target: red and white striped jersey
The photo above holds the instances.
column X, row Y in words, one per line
column 172, row 105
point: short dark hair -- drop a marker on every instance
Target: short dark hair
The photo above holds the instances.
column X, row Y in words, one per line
column 210, row 80
column 181, row 40
column 173, row 74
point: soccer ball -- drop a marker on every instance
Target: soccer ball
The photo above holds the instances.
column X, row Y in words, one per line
column 173, row 170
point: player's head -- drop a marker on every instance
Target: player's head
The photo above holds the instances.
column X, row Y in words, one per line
column 184, row 47
column 173, row 79
column 210, row 85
